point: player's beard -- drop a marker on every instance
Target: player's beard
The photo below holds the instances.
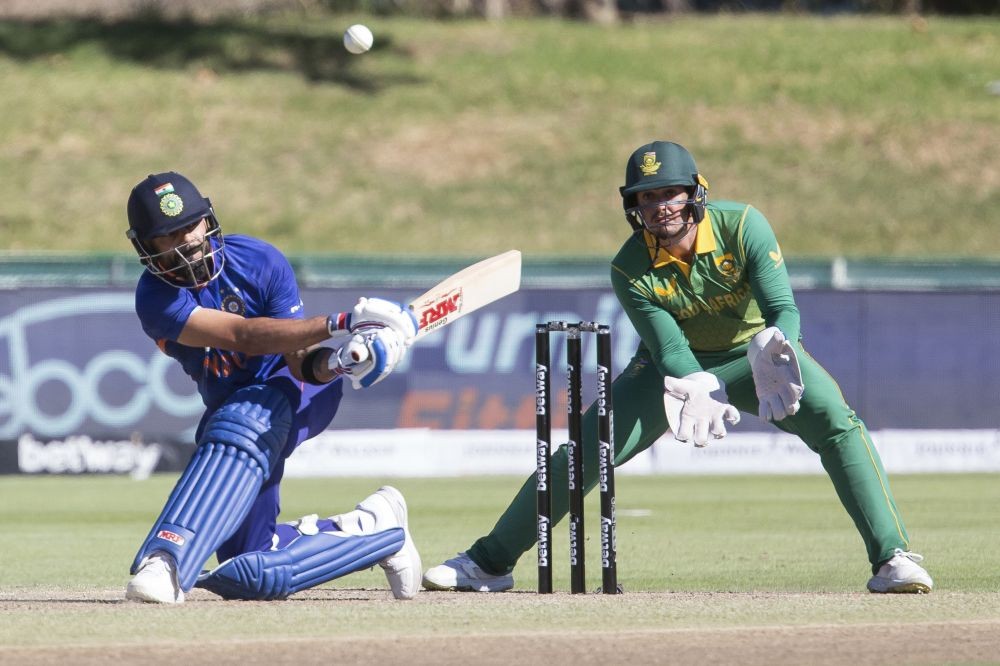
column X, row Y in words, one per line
column 668, row 232
column 189, row 263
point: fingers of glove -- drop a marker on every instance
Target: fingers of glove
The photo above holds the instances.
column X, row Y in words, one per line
column 379, row 361
column 731, row 414
column 685, row 430
column 386, row 351
column 383, row 312
column 701, row 427
column 718, row 425
column 789, row 395
column 767, row 409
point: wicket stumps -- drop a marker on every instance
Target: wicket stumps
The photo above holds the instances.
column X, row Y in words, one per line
column 574, row 451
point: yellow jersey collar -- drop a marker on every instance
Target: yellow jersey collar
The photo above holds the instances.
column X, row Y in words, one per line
column 704, row 242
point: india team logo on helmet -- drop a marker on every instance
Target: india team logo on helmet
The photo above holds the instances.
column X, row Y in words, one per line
column 171, row 205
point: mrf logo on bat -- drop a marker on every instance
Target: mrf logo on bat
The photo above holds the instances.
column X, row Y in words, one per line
column 434, row 313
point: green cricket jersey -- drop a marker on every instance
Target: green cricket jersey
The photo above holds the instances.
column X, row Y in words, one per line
column 736, row 286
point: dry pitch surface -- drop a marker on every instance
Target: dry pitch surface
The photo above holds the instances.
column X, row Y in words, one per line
column 348, row 626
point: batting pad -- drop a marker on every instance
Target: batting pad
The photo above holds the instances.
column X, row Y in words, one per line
column 308, row 561
column 237, row 451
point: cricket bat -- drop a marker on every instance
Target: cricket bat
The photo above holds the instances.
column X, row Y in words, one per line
column 466, row 291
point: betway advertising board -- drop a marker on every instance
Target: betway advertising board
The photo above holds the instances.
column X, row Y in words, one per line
column 83, row 390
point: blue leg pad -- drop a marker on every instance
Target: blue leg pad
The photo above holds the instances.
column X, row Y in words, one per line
column 307, row 562
column 239, row 447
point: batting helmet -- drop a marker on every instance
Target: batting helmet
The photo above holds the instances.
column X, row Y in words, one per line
column 662, row 164
column 162, row 204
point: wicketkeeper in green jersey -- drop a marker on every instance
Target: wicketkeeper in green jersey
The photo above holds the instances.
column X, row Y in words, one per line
column 706, row 287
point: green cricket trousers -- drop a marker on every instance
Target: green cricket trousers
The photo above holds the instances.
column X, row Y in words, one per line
column 824, row 422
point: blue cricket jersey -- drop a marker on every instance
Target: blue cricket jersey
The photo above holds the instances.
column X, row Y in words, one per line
column 256, row 281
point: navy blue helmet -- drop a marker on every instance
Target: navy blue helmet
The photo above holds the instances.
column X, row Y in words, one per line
column 164, row 204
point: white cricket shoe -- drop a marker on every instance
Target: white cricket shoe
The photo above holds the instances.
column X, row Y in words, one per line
column 402, row 569
column 461, row 574
column 156, row 581
column 901, row 574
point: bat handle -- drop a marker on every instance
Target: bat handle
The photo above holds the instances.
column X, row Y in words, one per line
column 357, row 351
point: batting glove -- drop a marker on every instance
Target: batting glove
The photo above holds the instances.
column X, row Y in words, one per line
column 369, row 356
column 380, row 312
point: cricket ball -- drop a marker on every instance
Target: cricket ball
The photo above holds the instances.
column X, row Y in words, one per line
column 358, row 39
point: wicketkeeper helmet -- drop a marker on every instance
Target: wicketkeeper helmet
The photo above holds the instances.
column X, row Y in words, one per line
column 662, row 164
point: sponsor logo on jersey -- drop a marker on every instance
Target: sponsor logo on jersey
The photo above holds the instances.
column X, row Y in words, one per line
column 435, row 313
column 667, row 291
column 776, row 256
column 649, row 165
column 172, row 537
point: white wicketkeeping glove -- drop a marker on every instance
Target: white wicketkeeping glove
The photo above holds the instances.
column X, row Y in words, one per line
column 379, row 349
column 379, row 312
column 776, row 374
column 696, row 406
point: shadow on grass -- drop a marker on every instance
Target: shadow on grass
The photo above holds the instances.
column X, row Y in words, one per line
column 222, row 45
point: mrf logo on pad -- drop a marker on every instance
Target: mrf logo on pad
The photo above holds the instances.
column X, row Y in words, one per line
column 434, row 313
column 172, row 537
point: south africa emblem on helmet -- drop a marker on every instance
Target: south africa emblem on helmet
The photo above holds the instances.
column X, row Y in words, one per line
column 171, row 205
column 234, row 304
column 649, row 164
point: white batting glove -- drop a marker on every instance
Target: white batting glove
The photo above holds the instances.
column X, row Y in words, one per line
column 776, row 374
column 696, row 406
column 369, row 356
column 379, row 312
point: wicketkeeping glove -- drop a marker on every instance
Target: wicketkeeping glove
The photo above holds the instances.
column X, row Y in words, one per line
column 697, row 405
column 776, row 374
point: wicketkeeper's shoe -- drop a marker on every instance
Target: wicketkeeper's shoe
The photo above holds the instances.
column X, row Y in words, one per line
column 156, row 581
column 901, row 574
column 402, row 569
column 461, row 574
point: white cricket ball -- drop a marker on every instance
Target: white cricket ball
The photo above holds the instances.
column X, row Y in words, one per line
column 358, row 38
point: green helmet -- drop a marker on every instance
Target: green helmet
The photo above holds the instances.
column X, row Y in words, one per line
column 662, row 164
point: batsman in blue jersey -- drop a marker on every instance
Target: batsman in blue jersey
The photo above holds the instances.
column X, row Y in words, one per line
column 228, row 310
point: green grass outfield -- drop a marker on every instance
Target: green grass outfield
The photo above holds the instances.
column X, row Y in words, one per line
column 855, row 135
column 696, row 554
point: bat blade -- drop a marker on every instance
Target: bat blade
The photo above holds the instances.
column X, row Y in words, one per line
column 466, row 291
